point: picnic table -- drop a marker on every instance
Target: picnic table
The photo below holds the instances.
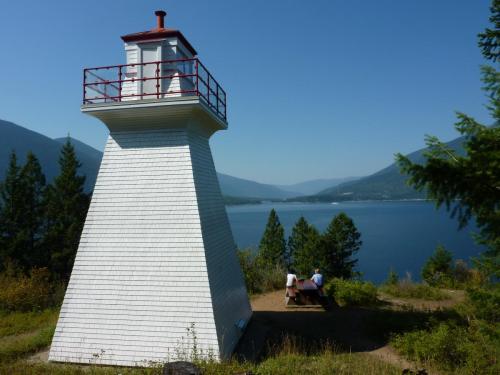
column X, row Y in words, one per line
column 304, row 293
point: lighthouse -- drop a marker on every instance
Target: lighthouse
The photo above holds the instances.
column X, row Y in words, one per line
column 156, row 277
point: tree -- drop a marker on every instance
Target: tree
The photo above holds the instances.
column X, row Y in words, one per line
column 21, row 213
column 489, row 41
column 469, row 185
column 338, row 244
column 438, row 267
column 10, row 211
column 297, row 239
column 272, row 248
column 303, row 247
column 32, row 185
column 392, row 278
column 66, row 208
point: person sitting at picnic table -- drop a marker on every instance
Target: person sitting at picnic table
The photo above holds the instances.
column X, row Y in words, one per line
column 317, row 279
column 291, row 282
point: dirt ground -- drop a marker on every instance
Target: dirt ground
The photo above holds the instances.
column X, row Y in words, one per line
column 343, row 328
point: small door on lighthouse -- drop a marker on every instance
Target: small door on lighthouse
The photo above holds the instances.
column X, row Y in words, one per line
column 149, row 54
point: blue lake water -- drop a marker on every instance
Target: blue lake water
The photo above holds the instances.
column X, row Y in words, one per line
column 401, row 235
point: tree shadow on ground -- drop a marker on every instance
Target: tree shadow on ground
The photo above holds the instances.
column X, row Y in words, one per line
column 342, row 329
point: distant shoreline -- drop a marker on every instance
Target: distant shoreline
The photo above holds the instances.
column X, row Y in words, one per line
column 255, row 201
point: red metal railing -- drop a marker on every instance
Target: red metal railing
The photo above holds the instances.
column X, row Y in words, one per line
column 154, row 80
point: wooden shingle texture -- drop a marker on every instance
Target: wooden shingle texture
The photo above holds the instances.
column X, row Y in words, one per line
column 156, row 268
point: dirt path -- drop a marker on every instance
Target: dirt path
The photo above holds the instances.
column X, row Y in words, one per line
column 314, row 327
column 343, row 328
column 42, row 356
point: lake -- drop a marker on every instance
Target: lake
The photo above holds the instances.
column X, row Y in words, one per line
column 401, row 235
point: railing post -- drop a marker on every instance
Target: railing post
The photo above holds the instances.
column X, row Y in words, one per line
column 208, row 89
column 157, row 80
column 120, row 83
column 197, row 89
column 217, row 98
column 84, row 86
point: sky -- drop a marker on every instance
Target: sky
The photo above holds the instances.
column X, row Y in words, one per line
column 316, row 89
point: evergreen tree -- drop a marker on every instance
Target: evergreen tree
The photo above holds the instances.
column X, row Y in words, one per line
column 66, row 208
column 32, row 184
column 297, row 239
column 10, row 211
column 392, row 278
column 303, row 247
column 338, row 244
column 468, row 185
column 489, row 40
column 272, row 248
column 438, row 266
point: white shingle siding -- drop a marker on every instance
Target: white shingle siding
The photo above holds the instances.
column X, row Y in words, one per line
column 156, row 255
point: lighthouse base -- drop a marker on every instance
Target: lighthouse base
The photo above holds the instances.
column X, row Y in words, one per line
column 156, row 277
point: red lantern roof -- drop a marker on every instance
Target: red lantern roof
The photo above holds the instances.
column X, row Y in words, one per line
column 159, row 32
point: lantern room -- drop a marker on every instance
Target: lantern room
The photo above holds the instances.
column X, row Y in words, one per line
column 160, row 52
column 160, row 64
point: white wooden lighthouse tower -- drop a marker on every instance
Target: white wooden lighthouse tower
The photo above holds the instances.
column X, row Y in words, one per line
column 156, row 273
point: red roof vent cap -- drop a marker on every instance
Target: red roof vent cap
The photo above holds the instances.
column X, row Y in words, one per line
column 160, row 19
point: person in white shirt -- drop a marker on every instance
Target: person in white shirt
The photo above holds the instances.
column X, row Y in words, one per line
column 291, row 281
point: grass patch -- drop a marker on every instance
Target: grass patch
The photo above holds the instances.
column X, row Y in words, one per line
column 23, row 367
column 325, row 363
column 18, row 322
column 408, row 289
column 13, row 347
column 25, row 333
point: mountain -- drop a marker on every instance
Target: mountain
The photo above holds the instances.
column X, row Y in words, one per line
column 22, row 140
column 239, row 187
column 387, row 183
column 314, row 186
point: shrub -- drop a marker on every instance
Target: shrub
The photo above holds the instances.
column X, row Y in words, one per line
column 459, row 349
column 33, row 292
column 259, row 276
column 462, row 274
column 483, row 303
column 352, row 292
column 438, row 344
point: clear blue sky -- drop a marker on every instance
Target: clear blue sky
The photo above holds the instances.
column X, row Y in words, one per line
column 324, row 88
